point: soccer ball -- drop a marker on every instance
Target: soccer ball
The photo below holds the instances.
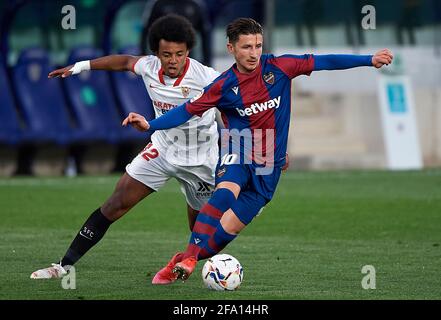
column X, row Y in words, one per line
column 222, row 272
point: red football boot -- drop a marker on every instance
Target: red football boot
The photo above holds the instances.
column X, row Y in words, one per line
column 166, row 275
column 185, row 268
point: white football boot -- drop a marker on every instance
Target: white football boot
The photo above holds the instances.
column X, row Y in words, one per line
column 56, row 271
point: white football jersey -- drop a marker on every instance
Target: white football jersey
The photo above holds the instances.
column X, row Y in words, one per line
column 189, row 143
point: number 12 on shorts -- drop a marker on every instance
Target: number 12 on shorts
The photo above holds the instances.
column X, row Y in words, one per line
column 149, row 152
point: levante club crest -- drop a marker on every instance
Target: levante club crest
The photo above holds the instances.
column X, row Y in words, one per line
column 221, row 172
column 269, row 77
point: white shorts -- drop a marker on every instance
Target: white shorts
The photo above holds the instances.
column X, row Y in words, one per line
column 197, row 182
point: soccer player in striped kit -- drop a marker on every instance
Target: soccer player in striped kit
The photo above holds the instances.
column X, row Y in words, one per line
column 254, row 97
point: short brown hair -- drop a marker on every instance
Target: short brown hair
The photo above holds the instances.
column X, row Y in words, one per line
column 242, row 26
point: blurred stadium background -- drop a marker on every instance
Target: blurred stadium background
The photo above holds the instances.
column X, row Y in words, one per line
column 57, row 127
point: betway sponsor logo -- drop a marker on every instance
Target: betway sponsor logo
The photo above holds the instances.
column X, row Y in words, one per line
column 259, row 107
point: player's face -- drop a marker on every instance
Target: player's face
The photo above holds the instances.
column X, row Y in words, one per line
column 172, row 56
column 247, row 51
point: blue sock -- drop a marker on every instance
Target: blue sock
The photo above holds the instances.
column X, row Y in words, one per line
column 208, row 219
column 219, row 240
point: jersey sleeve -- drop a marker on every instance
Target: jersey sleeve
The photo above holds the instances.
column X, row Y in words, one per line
column 341, row 61
column 208, row 98
column 294, row 65
column 142, row 65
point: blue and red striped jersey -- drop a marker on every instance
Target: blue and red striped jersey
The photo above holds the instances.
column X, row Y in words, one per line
column 259, row 102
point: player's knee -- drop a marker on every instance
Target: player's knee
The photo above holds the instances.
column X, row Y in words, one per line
column 233, row 228
column 222, row 199
column 231, row 186
column 231, row 223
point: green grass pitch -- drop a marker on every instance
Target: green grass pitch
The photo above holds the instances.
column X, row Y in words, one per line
column 310, row 242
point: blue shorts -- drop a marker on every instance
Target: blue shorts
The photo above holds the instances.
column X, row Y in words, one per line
column 256, row 190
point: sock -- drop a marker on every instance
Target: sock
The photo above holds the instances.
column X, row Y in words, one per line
column 208, row 219
column 89, row 235
column 216, row 243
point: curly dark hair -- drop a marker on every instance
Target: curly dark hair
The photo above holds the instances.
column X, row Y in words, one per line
column 173, row 28
column 242, row 26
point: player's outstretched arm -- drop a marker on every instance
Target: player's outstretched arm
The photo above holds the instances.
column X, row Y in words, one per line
column 207, row 99
column 171, row 119
column 347, row 61
column 109, row 63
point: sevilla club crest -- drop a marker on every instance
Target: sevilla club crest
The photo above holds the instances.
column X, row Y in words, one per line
column 185, row 91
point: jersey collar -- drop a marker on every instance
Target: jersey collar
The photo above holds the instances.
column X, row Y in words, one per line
column 178, row 80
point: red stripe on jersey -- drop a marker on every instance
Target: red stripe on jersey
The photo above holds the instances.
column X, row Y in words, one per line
column 254, row 90
column 294, row 66
column 203, row 228
column 187, row 65
column 178, row 80
column 161, row 75
column 208, row 100
column 133, row 66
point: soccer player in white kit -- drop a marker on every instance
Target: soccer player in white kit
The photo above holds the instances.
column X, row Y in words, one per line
column 188, row 154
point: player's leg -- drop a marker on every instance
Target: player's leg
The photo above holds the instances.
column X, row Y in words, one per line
column 255, row 194
column 206, row 221
column 233, row 221
column 197, row 185
column 209, row 216
column 191, row 215
column 248, row 205
column 166, row 275
column 141, row 179
column 128, row 192
column 205, row 226
column 230, row 179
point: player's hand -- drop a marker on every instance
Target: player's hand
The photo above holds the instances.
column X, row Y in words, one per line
column 137, row 121
column 63, row 72
column 381, row 58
